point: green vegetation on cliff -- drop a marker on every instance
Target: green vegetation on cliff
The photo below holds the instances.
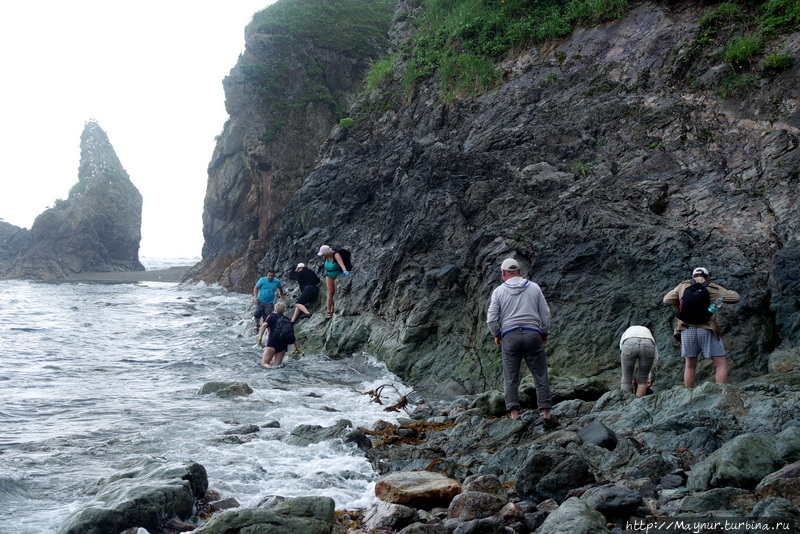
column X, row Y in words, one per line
column 296, row 32
column 459, row 42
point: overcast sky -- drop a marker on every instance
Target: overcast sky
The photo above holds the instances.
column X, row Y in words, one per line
column 148, row 71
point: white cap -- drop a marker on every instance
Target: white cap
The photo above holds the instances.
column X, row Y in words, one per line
column 324, row 249
column 300, row 266
column 700, row 270
column 509, row 264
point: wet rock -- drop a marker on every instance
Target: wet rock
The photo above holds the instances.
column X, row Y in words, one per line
column 484, row 483
column 309, row 515
column 598, row 434
column 551, row 473
column 481, row 526
column 418, row 488
column 142, row 497
column 491, row 403
column 226, row 389
column 612, row 501
column 304, row 435
column 574, row 517
column 388, row 515
column 244, row 429
column 425, row 528
column 783, row 483
column 469, row 505
column 743, row 461
column 734, row 499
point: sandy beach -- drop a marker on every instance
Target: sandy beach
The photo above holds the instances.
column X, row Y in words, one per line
column 173, row 274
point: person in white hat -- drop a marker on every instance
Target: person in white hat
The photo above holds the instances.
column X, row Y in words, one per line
column 696, row 325
column 519, row 320
column 309, row 292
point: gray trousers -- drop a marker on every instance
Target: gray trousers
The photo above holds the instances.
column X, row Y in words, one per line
column 519, row 345
column 634, row 349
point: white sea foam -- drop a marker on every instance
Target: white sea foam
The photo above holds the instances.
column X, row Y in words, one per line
column 98, row 377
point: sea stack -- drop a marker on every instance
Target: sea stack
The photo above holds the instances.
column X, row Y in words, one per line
column 97, row 228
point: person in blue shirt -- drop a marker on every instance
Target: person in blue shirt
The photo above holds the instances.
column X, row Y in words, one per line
column 264, row 297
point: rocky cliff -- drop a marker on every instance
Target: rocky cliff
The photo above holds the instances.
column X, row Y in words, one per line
column 609, row 163
column 299, row 74
column 97, row 228
column 13, row 242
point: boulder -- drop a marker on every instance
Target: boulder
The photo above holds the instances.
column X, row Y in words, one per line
column 421, row 489
column 309, row 515
column 143, row 497
column 469, row 505
column 783, row 483
column 550, row 473
column 574, row 516
column 226, row 389
column 613, row 502
column 386, row 515
column 740, row 463
column 598, row 434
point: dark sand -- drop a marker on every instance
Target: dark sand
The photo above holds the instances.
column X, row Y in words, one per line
column 173, row 274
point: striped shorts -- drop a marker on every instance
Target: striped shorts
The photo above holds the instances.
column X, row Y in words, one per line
column 696, row 340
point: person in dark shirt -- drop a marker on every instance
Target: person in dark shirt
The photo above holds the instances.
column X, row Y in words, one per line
column 309, row 292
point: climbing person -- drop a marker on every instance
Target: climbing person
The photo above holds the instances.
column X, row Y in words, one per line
column 309, row 292
column 638, row 345
column 696, row 325
column 335, row 266
column 519, row 320
column 264, row 297
column 280, row 335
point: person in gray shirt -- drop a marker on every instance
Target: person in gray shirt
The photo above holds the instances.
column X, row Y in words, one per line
column 519, row 320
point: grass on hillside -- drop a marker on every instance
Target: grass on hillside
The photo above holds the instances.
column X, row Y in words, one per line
column 459, row 42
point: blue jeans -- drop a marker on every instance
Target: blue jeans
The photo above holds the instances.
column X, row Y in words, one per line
column 519, row 345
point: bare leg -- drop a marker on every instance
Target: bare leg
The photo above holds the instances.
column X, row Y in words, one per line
column 720, row 369
column 641, row 390
column 514, row 414
column 266, row 359
column 688, row 372
column 279, row 358
column 330, row 283
column 298, row 309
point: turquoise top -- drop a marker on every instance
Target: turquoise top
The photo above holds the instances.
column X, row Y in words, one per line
column 267, row 288
column 332, row 268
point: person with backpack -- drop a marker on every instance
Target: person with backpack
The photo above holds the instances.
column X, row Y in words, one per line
column 281, row 335
column 337, row 262
column 696, row 325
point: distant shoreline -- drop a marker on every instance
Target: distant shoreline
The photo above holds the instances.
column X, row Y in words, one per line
column 173, row 274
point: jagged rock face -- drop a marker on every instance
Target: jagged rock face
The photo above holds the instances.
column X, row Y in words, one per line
column 609, row 183
column 288, row 89
column 98, row 227
column 13, row 242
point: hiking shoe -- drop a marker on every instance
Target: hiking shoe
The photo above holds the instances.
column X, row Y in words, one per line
column 551, row 423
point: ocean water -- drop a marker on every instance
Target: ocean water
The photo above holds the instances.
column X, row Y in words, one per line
column 155, row 264
column 95, row 377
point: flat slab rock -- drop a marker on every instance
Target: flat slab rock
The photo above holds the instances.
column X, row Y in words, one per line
column 416, row 487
